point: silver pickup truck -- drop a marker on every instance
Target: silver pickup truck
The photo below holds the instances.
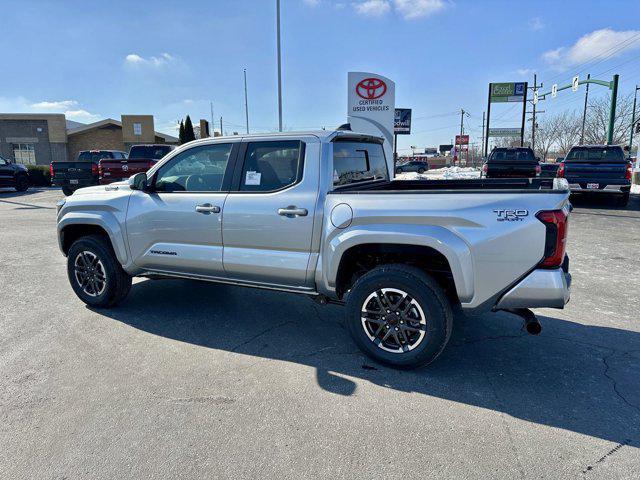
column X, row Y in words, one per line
column 316, row 213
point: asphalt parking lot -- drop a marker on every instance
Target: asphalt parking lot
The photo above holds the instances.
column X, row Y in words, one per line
column 197, row 380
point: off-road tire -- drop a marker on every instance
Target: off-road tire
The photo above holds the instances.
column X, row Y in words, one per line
column 22, row 183
column 425, row 291
column 117, row 281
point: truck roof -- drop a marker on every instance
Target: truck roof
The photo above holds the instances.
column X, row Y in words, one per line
column 323, row 135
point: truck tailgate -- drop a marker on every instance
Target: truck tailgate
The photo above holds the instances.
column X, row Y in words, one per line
column 594, row 171
column 72, row 170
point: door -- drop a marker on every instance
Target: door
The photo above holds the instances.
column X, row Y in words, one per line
column 268, row 215
column 177, row 226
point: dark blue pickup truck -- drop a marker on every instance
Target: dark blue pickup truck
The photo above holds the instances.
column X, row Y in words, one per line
column 598, row 170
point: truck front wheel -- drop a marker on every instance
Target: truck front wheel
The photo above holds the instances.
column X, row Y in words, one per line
column 399, row 316
column 95, row 273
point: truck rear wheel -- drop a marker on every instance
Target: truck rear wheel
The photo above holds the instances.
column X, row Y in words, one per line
column 399, row 316
column 22, row 183
column 95, row 273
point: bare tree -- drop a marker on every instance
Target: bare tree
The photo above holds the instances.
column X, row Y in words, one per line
column 546, row 136
column 568, row 127
column 597, row 122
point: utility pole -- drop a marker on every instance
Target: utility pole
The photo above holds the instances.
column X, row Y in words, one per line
column 483, row 120
column 212, row 124
column 221, row 127
column 279, row 67
column 612, row 111
column 534, row 125
column 246, row 102
column 584, row 111
column 633, row 119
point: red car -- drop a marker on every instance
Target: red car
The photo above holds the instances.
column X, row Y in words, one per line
column 141, row 158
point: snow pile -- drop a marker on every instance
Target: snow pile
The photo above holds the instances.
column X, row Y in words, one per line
column 446, row 173
column 635, row 189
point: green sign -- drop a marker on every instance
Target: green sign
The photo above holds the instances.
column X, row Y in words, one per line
column 507, row 92
column 504, row 132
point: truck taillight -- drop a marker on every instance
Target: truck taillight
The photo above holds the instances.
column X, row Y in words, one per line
column 560, row 172
column 51, row 170
column 628, row 174
column 556, row 222
column 485, row 167
column 94, row 169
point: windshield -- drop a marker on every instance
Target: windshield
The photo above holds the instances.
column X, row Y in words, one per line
column 595, row 154
column 358, row 162
column 512, row 155
column 94, row 157
column 154, row 152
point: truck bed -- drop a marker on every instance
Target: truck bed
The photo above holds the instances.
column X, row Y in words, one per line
column 528, row 185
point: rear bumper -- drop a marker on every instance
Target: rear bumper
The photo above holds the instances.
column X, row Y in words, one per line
column 66, row 182
column 541, row 288
column 614, row 188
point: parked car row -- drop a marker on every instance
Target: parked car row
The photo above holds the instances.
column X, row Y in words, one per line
column 101, row 167
column 589, row 169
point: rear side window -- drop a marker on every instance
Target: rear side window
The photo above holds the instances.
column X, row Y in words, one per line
column 270, row 166
column 595, row 154
column 94, row 157
column 154, row 152
column 524, row 155
column 358, row 162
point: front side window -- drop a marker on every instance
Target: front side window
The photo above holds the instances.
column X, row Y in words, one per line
column 358, row 162
column 3, row 161
column 199, row 169
column 270, row 166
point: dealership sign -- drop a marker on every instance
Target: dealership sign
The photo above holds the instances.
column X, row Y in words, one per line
column 371, row 104
column 504, row 132
column 507, row 92
column 462, row 139
column 402, row 121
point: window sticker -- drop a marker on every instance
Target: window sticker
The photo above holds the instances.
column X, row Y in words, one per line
column 252, row 178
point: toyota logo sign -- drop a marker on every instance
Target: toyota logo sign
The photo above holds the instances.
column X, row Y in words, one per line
column 371, row 88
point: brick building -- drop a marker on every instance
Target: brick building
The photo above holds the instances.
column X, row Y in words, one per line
column 39, row 139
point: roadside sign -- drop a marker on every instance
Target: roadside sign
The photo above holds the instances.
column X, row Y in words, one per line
column 574, row 83
column 507, row 92
column 464, row 138
column 504, row 132
column 554, row 90
column 445, row 148
column 402, row 121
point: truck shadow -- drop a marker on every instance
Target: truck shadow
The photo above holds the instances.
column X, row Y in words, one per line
column 581, row 378
column 602, row 202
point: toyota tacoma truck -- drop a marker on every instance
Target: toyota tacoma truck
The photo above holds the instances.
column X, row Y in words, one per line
column 140, row 159
column 317, row 214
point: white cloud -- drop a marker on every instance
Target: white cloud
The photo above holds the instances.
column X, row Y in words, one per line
column 597, row 44
column 160, row 61
column 59, row 105
column 411, row 9
column 536, row 23
column 24, row 105
column 81, row 116
column 373, row 8
column 524, row 72
column 312, row 3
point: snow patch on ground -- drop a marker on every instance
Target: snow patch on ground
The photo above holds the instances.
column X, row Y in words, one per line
column 446, row 173
column 635, row 189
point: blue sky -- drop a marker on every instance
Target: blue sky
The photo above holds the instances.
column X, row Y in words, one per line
column 100, row 59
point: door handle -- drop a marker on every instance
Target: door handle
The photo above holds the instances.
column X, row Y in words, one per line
column 207, row 208
column 292, row 211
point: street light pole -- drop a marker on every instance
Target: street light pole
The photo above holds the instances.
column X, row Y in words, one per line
column 246, row 102
column 633, row 120
column 279, row 67
column 584, row 112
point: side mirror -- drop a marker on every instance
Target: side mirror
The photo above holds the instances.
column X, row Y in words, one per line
column 138, row 181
